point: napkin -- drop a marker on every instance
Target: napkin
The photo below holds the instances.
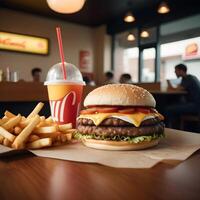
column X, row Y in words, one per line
column 176, row 146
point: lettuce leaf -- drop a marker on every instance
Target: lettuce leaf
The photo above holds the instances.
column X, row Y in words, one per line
column 130, row 139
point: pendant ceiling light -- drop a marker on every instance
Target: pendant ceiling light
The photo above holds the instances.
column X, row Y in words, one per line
column 129, row 17
column 144, row 34
column 163, row 8
column 130, row 37
column 66, row 6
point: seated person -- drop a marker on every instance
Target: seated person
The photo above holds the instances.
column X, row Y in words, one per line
column 88, row 81
column 36, row 74
column 191, row 105
column 125, row 78
column 109, row 78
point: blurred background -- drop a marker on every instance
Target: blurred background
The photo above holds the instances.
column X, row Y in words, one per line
column 97, row 38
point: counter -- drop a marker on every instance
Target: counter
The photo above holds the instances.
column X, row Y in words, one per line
column 21, row 97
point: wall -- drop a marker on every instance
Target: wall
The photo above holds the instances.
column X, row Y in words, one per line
column 102, row 51
column 181, row 25
column 75, row 38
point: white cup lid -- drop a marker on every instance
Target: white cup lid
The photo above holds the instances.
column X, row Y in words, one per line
column 55, row 75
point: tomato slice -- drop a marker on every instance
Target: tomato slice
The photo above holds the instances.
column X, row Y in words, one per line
column 143, row 110
column 106, row 109
column 88, row 111
column 127, row 111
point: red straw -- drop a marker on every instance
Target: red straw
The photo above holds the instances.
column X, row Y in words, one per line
column 58, row 31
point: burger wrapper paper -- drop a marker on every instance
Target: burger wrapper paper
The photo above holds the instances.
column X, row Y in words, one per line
column 175, row 147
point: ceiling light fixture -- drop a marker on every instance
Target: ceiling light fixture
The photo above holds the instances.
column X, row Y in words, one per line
column 144, row 34
column 129, row 17
column 130, row 37
column 66, row 6
column 163, row 8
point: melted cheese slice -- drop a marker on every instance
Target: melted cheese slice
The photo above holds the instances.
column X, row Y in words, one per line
column 135, row 119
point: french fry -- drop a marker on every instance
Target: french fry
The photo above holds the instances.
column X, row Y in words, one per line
column 3, row 120
column 63, row 138
column 49, row 119
column 24, row 123
column 17, row 130
column 69, row 136
column 6, row 142
column 70, row 131
column 58, row 137
column 9, row 114
column 51, row 135
column 6, row 134
column 65, row 127
column 1, row 139
column 45, row 129
column 33, row 132
column 11, row 130
column 12, row 122
column 44, row 142
column 36, row 110
column 42, row 118
column 23, row 118
column 43, row 123
column 23, row 136
column 33, row 138
column 57, row 143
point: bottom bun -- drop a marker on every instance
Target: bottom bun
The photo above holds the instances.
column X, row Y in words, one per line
column 117, row 146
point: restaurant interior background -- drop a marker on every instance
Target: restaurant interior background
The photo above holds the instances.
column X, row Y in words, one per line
column 97, row 39
column 98, row 35
column 45, row 150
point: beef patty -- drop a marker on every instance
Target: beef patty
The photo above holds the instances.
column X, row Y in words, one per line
column 117, row 122
column 148, row 127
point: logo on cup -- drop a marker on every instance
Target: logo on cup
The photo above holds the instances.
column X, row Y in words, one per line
column 58, row 107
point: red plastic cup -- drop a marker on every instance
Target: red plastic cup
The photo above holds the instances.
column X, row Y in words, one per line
column 64, row 95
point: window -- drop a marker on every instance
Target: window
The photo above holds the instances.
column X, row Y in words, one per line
column 174, row 53
column 148, row 71
column 126, row 56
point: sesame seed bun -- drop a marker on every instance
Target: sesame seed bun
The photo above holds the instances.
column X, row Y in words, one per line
column 120, row 94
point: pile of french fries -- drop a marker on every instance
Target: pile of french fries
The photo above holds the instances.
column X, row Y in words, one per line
column 34, row 131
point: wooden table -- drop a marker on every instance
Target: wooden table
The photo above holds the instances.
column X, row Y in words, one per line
column 29, row 177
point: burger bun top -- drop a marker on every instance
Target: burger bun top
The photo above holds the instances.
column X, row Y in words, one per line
column 119, row 95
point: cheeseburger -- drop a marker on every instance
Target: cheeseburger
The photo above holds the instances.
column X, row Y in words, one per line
column 120, row 117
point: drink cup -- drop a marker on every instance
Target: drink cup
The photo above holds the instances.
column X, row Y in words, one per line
column 64, row 95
